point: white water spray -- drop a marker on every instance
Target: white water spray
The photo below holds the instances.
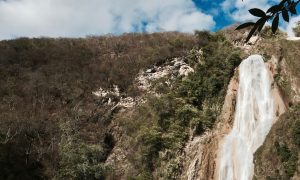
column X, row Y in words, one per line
column 253, row 121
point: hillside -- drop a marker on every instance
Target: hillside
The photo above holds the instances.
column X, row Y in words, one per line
column 137, row 106
column 51, row 124
column 278, row 158
column 56, row 123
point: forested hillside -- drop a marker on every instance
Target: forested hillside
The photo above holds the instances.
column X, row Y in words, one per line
column 125, row 107
column 51, row 125
column 278, row 158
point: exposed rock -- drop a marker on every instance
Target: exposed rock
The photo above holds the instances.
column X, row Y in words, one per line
column 170, row 70
column 280, row 105
column 293, row 38
column 114, row 98
column 201, row 152
column 185, row 70
column 129, row 102
column 293, row 80
column 253, row 40
column 104, row 93
column 249, row 45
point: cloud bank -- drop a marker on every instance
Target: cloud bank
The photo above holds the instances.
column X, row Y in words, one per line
column 78, row 18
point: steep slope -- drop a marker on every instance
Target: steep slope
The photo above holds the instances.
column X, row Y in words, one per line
column 109, row 107
column 137, row 106
column 51, row 123
column 154, row 134
column 201, row 159
column 278, row 157
column 253, row 119
column 201, row 151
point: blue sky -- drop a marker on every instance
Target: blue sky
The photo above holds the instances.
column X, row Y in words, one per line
column 81, row 18
column 211, row 7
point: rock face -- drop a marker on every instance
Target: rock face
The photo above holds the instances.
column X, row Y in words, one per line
column 114, row 98
column 201, row 152
column 170, row 70
column 278, row 157
column 280, row 105
column 146, row 81
column 293, row 80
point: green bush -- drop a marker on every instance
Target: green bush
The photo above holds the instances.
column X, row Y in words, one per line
column 283, row 151
column 192, row 103
column 296, row 132
column 82, row 161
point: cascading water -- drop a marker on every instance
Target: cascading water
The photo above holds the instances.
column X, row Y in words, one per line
column 253, row 121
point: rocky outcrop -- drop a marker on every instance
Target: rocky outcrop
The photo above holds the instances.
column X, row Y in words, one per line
column 293, row 81
column 201, row 152
column 114, row 98
column 146, row 81
column 279, row 103
column 170, row 71
column 278, row 157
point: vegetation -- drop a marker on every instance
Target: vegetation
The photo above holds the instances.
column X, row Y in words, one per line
column 51, row 126
column 278, row 157
column 161, row 126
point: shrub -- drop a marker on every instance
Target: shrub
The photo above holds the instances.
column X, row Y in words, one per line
column 82, row 161
column 296, row 132
column 195, row 102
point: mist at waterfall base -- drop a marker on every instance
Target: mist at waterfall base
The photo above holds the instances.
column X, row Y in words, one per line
column 252, row 122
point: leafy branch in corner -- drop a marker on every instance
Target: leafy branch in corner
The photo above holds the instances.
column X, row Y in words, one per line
column 286, row 8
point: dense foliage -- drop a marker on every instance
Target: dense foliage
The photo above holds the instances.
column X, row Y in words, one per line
column 162, row 125
column 50, row 123
column 278, row 157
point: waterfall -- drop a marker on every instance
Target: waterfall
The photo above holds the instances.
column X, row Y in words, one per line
column 252, row 122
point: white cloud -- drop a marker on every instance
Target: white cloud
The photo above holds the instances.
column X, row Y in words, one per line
column 237, row 10
column 292, row 24
column 74, row 18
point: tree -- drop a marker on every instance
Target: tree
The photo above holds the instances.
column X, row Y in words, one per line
column 286, row 8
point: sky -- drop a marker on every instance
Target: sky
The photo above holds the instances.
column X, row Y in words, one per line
column 81, row 18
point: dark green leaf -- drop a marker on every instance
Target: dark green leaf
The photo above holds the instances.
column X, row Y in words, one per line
column 261, row 22
column 242, row 26
column 285, row 15
column 293, row 9
column 275, row 24
column 274, row 9
column 251, row 33
column 257, row 12
column 282, row 3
